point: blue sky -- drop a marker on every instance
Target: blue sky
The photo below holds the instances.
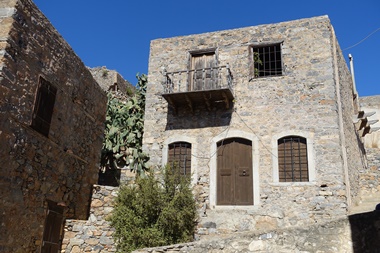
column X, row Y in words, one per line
column 117, row 33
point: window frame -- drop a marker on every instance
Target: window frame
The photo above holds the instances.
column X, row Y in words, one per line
column 252, row 63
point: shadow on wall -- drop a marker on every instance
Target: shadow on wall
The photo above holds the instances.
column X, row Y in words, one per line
column 198, row 118
column 110, row 177
column 365, row 232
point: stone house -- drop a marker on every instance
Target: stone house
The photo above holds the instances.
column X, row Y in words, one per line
column 262, row 120
column 52, row 113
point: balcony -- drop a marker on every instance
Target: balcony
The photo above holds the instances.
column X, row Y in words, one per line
column 208, row 88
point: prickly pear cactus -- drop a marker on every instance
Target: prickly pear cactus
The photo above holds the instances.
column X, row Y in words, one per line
column 124, row 126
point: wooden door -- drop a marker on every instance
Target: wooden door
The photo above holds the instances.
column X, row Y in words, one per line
column 204, row 74
column 234, row 172
column 53, row 231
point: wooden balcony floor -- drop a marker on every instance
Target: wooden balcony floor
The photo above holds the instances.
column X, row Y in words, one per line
column 219, row 98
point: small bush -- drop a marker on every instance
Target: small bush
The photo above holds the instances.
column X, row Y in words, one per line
column 154, row 212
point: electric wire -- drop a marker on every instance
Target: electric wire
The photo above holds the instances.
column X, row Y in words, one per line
column 225, row 138
column 378, row 29
column 212, row 155
column 227, row 130
column 265, row 146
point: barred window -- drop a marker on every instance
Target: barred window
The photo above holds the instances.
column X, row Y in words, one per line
column 180, row 157
column 292, row 159
column 266, row 60
column 43, row 107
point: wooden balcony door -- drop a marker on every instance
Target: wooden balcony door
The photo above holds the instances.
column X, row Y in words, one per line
column 234, row 172
column 203, row 75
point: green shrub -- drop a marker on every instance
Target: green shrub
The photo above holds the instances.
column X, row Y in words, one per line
column 154, row 212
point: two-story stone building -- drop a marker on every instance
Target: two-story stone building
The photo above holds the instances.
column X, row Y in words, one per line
column 52, row 113
column 261, row 118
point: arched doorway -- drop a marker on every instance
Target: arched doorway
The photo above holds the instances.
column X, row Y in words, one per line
column 234, row 172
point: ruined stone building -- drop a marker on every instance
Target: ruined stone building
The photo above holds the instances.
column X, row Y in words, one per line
column 262, row 119
column 112, row 81
column 51, row 130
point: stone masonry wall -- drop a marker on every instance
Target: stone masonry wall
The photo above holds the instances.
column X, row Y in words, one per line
column 370, row 177
column 95, row 234
column 354, row 234
column 63, row 166
column 303, row 101
column 352, row 142
column 110, row 80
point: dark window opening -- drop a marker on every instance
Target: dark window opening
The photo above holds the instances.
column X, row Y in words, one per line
column 53, row 232
column 292, row 159
column 179, row 157
column 43, row 107
column 267, row 61
column 109, row 177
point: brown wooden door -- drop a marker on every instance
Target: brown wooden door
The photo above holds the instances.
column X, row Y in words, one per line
column 234, row 172
column 53, row 231
column 204, row 75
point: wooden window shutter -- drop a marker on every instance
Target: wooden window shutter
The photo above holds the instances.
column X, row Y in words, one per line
column 43, row 108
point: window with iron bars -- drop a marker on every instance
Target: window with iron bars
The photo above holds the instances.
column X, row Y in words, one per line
column 292, row 159
column 266, row 60
column 179, row 157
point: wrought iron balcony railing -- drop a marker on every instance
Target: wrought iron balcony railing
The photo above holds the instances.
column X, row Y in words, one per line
column 213, row 78
column 209, row 87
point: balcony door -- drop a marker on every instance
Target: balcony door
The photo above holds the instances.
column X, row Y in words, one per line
column 203, row 74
